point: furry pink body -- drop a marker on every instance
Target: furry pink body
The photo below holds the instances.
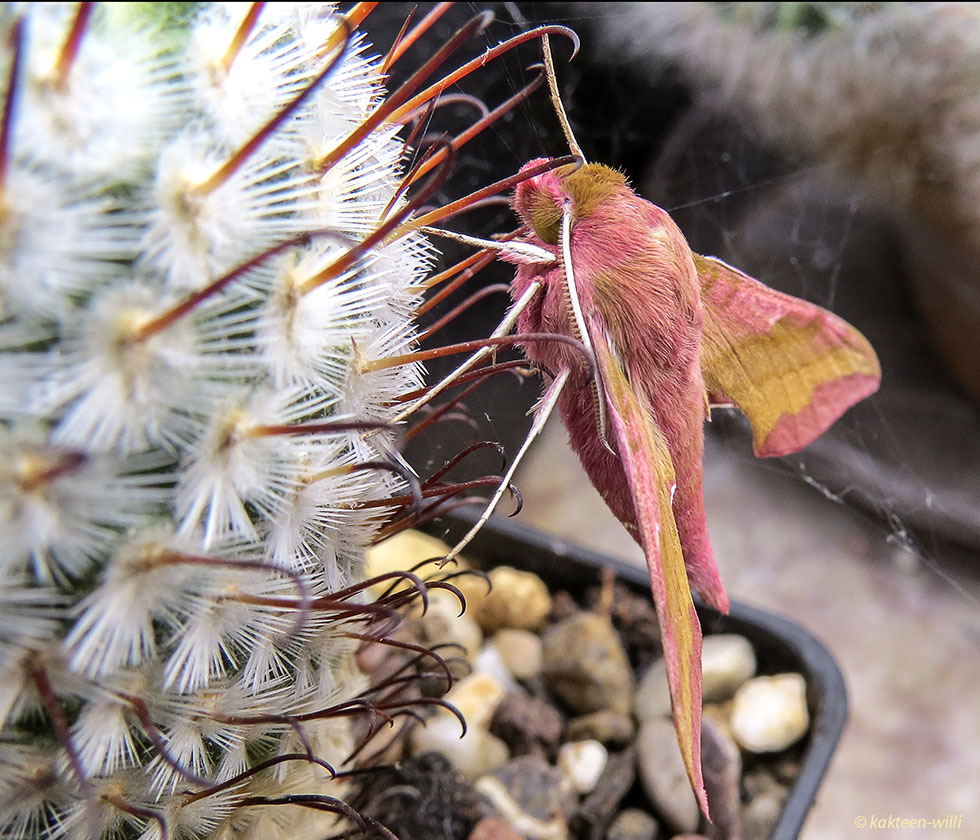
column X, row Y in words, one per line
column 638, row 285
column 670, row 331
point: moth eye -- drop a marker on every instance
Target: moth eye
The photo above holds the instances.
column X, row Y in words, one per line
column 545, row 217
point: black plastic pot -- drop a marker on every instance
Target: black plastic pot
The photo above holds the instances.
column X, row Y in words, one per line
column 780, row 644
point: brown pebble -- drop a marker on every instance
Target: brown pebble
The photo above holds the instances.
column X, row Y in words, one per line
column 527, row 724
column 586, row 666
column 518, row 599
column 493, row 828
column 599, row 808
column 636, row 620
column 531, row 787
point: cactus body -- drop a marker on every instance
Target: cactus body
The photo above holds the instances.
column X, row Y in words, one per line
column 172, row 501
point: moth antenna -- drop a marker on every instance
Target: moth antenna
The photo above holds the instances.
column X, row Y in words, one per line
column 596, row 385
column 549, row 69
column 543, row 411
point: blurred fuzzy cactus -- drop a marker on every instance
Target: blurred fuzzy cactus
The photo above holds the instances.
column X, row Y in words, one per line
column 186, row 488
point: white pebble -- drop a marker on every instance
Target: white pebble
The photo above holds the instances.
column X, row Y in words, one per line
column 489, row 661
column 474, row 755
column 582, row 763
column 727, row 661
column 521, row 651
column 478, row 752
column 477, row 697
column 402, row 552
column 770, row 713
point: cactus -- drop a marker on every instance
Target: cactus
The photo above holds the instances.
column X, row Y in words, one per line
column 186, row 488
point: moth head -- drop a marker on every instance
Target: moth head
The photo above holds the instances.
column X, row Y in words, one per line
column 540, row 201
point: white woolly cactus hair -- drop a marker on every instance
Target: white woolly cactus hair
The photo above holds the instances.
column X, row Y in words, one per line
column 179, row 498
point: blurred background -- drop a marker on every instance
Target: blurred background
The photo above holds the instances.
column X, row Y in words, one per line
column 832, row 151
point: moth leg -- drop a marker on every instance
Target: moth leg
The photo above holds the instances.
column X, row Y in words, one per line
column 515, row 250
column 542, row 411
